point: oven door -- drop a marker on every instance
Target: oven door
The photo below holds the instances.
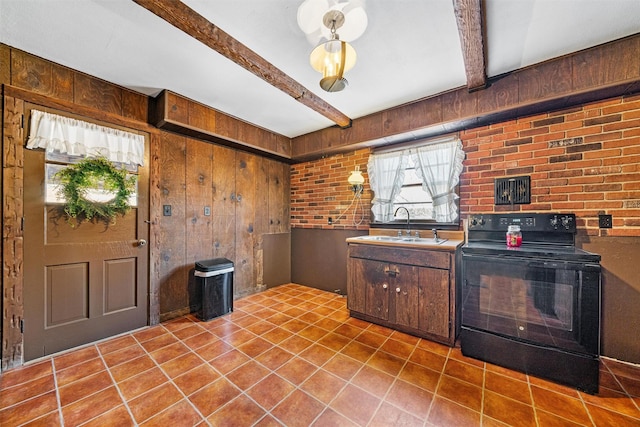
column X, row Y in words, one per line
column 545, row 302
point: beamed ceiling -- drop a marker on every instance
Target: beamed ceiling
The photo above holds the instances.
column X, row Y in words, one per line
column 249, row 58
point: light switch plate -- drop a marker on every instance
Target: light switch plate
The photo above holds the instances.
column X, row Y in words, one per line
column 605, row 221
column 166, row 210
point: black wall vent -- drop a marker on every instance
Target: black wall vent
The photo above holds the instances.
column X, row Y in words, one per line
column 513, row 191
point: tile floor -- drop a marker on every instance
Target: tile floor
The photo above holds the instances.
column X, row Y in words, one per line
column 292, row 356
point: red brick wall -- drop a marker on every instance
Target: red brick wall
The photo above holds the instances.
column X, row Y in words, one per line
column 319, row 190
column 584, row 160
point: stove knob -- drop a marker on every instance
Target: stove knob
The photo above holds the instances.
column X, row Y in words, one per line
column 481, row 222
column 554, row 222
column 566, row 221
column 474, row 221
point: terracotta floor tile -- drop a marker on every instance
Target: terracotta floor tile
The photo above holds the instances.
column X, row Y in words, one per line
column 461, row 392
column 465, row 372
column 508, row 410
column 560, row 404
column 29, row 410
column 239, row 337
column 75, row 357
column 154, row 401
column 255, row 347
column 212, row 397
column 182, row 414
column 372, row 380
column 248, row 374
column 24, row 374
column 371, row 339
column 191, row 381
column 420, row 376
column 200, row 340
column 121, row 356
column 296, row 370
column 131, row 368
column 319, row 367
column 410, row 398
column 149, row 333
column 109, row 346
column 343, row 366
column 445, row 412
column 334, row 341
column 313, row 333
column 604, row 417
column 229, row 361
column 79, row 371
column 84, row 387
column 356, row 404
column 270, row 391
column 386, row 362
column 135, row 386
column 297, row 410
column 388, row 415
column 213, row 350
column 90, row 407
column 240, row 412
column 181, row 364
column 27, row 390
column 118, row 416
column 323, row 386
column 507, row 386
column 330, row 418
column 274, row 358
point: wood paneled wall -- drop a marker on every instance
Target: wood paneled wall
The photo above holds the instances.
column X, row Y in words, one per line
column 248, row 194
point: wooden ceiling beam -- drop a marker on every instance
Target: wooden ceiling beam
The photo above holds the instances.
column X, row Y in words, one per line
column 197, row 26
column 469, row 19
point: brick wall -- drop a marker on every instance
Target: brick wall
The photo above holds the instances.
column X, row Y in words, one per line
column 584, row 160
column 319, row 190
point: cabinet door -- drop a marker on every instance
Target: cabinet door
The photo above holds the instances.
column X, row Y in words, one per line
column 369, row 288
column 403, row 280
column 434, row 301
column 356, row 285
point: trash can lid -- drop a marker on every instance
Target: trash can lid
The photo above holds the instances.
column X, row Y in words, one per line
column 213, row 264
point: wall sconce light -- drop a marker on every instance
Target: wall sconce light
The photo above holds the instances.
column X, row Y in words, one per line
column 333, row 57
column 356, row 180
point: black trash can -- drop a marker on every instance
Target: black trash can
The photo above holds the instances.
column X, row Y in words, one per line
column 214, row 277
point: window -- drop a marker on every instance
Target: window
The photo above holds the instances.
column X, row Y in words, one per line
column 422, row 178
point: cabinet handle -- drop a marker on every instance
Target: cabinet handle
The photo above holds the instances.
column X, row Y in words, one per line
column 398, row 290
column 385, row 286
column 393, row 273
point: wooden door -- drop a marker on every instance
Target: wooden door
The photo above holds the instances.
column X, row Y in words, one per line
column 85, row 283
column 434, row 301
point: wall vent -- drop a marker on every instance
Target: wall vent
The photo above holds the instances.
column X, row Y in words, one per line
column 513, row 191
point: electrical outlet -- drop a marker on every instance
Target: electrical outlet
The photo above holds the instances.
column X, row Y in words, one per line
column 166, row 210
column 605, row 221
column 207, row 210
column 330, row 221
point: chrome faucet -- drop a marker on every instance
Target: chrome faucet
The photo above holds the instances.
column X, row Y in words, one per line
column 408, row 218
column 435, row 234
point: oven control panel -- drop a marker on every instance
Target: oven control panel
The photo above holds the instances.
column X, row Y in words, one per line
column 548, row 222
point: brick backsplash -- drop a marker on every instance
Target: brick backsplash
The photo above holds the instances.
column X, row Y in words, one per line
column 584, row 160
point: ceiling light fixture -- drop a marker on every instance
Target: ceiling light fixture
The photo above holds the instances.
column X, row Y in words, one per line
column 333, row 57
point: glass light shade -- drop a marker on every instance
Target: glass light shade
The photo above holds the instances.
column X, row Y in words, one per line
column 356, row 178
column 326, row 58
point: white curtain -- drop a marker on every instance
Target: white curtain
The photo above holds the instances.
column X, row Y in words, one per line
column 386, row 175
column 439, row 166
column 77, row 138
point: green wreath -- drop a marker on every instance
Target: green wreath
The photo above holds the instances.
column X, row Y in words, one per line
column 76, row 180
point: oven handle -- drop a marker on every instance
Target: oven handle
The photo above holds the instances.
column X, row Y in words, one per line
column 564, row 265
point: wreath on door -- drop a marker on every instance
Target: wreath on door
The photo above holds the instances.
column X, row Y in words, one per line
column 81, row 183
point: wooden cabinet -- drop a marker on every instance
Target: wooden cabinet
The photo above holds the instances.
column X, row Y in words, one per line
column 412, row 290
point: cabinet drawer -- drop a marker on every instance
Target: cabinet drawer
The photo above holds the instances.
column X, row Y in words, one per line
column 417, row 257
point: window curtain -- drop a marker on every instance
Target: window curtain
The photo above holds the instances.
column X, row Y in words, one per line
column 439, row 166
column 386, row 175
column 78, row 138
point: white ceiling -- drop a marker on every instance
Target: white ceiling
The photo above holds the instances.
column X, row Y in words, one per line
column 410, row 50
